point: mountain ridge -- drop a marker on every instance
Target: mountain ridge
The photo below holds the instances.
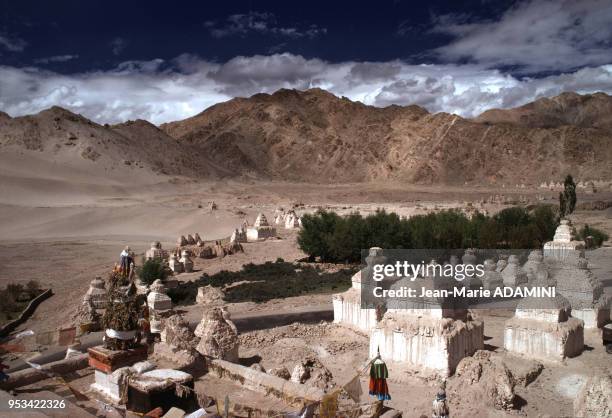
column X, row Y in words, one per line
column 315, row 136
column 341, row 140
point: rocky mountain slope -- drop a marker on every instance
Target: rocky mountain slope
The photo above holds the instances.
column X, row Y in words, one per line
column 567, row 109
column 59, row 135
column 314, row 136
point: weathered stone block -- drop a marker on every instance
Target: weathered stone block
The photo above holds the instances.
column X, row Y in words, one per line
column 544, row 340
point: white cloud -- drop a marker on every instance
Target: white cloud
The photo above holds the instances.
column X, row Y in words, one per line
column 118, row 45
column 259, row 22
column 536, row 36
column 12, row 44
column 55, row 58
column 162, row 91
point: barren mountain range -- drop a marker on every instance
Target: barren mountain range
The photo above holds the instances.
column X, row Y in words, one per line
column 314, row 136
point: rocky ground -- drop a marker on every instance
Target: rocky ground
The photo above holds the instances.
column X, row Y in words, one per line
column 65, row 246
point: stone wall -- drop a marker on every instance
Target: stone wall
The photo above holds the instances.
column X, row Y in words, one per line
column 544, row 340
column 292, row 393
column 426, row 343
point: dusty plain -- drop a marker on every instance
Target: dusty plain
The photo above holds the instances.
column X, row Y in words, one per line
column 63, row 228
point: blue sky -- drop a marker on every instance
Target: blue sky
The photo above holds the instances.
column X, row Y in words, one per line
column 163, row 61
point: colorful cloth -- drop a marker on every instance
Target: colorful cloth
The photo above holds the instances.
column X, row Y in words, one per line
column 378, row 380
column 379, row 388
column 378, row 370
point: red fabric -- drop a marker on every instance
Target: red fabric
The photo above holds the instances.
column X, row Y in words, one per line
column 378, row 386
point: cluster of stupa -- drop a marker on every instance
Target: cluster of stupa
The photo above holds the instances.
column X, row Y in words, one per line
column 289, row 219
column 194, row 246
column 184, row 264
column 123, row 370
column 436, row 333
column 260, row 229
column 194, row 239
column 430, row 334
column 155, row 252
column 553, row 328
column 239, row 235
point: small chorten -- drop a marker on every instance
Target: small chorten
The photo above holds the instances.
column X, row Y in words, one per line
column 96, row 294
column 218, row 336
column 492, row 279
column 501, row 265
column 564, row 247
column 175, row 265
column 155, row 251
column 186, row 262
column 512, row 274
column 261, row 229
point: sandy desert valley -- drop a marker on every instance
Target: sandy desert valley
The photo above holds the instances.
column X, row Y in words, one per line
column 306, row 209
column 65, row 224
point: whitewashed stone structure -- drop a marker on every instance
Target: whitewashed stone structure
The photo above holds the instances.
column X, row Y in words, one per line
column 426, row 334
column 96, row 294
column 535, row 269
column 186, row 262
column 542, row 329
column 158, row 303
column 261, row 229
column 279, row 216
column 513, row 275
column 175, row 265
column 583, row 290
column 492, row 278
column 292, row 220
column 348, row 310
column 347, row 305
column 563, row 247
column 155, row 252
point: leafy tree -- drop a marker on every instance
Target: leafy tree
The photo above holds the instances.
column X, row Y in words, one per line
column 341, row 239
column 599, row 237
column 545, row 220
column 562, row 205
column 567, row 199
column 384, row 230
column 317, row 229
column 348, row 238
column 152, row 270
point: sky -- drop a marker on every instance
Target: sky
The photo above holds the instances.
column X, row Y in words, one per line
column 162, row 61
